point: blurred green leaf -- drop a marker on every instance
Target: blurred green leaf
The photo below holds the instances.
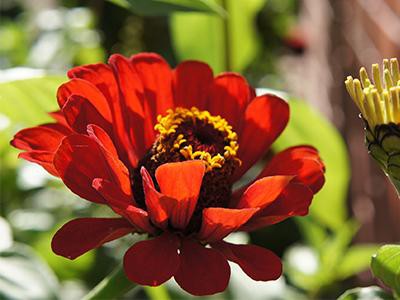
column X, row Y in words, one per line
column 165, row 7
column 24, row 276
column 26, row 102
column 306, row 126
column 365, row 293
column 385, row 265
column 225, row 44
column 356, row 259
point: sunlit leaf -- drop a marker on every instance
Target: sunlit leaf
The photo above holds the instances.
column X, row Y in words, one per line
column 165, row 7
column 306, row 126
column 27, row 101
column 365, row 293
column 385, row 265
column 24, row 276
column 223, row 43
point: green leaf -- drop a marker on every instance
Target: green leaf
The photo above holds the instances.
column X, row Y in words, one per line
column 23, row 275
column 385, row 265
column 225, row 44
column 356, row 259
column 165, row 7
column 306, row 126
column 365, row 293
column 27, row 101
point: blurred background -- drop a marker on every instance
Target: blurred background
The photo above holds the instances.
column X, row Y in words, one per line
column 304, row 48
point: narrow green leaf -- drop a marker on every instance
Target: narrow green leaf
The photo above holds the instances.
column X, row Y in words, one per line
column 365, row 293
column 385, row 265
column 166, row 7
column 114, row 286
column 306, row 126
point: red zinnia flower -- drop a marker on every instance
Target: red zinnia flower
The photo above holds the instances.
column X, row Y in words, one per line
column 162, row 149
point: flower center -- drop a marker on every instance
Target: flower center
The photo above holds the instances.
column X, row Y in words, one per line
column 191, row 134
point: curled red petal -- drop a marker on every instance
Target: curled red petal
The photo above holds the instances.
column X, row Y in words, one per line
column 263, row 191
column 218, row 222
column 152, row 262
column 303, row 162
column 202, row 271
column 258, row 263
column 81, row 235
column 192, row 81
column 295, row 200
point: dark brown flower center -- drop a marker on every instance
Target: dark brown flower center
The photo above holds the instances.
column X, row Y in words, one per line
column 192, row 134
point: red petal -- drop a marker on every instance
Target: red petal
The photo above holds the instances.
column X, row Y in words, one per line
column 134, row 136
column 265, row 118
column 80, row 159
column 152, row 262
column 43, row 158
column 43, row 138
column 302, row 162
column 218, row 222
column 123, row 205
column 79, row 113
column 263, row 192
column 59, row 117
column 102, row 138
column 181, row 183
column 152, row 198
column 81, row 235
column 202, row 271
column 101, row 76
column 192, row 84
column 294, row 201
column 86, row 90
column 229, row 98
column 257, row 262
column 156, row 77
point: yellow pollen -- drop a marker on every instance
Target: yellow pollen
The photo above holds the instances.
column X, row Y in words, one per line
column 378, row 101
column 168, row 124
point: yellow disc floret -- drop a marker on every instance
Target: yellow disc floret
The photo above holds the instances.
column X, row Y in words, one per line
column 172, row 126
column 378, row 100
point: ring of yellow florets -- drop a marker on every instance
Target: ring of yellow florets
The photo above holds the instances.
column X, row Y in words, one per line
column 378, row 101
column 168, row 126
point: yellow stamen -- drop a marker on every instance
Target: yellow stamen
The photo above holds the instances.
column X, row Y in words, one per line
column 379, row 102
column 168, row 124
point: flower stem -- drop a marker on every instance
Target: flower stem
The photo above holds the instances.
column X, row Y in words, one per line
column 227, row 41
column 113, row 286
